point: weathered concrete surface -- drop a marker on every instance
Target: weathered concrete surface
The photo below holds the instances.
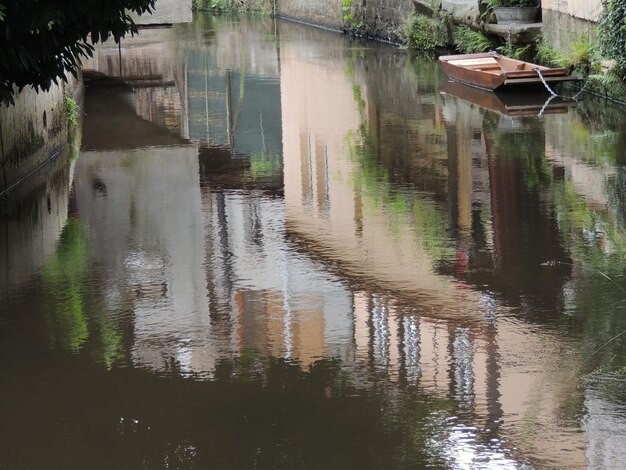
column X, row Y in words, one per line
column 583, row 9
column 463, row 11
column 31, row 222
column 166, row 11
column 326, row 13
column 515, row 33
column 383, row 19
column 561, row 29
column 33, row 131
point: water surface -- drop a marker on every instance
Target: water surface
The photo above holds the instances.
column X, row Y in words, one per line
column 283, row 248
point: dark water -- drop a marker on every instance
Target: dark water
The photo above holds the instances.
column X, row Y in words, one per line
column 282, row 248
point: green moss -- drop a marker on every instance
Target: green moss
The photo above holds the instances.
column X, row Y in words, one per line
column 71, row 110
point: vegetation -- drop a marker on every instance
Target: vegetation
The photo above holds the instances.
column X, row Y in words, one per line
column 510, row 3
column 71, row 110
column 470, row 41
column 43, row 40
column 233, row 6
column 612, row 34
column 350, row 23
column 546, row 55
column 219, row 5
column 426, row 34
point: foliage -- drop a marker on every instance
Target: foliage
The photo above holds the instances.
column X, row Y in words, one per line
column 42, row 40
column 259, row 6
column 582, row 51
column 546, row 55
column 517, row 52
column 218, row 5
column 348, row 17
column 469, row 41
column 425, row 34
column 611, row 83
column 612, row 33
column 346, row 8
column 71, row 109
column 510, row 3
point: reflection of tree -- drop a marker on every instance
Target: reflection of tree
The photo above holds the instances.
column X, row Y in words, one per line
column 543, row 224
column 74, row 314
column 525, row 232
column 597, row 242
column 377, row 186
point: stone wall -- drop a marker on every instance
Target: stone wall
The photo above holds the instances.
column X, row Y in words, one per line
column 33, row 131
column 383, row 19
column 326, row 13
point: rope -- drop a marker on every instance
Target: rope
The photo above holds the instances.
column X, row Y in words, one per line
column 545, row 105
column 553, row 93
column 543, row 80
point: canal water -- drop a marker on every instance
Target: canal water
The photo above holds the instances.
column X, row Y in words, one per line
column 277, row 247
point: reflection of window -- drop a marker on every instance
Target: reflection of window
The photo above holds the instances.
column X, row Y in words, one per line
column 306, row 169
column 321, row 160
column 411, row 341
column 463, row 353
column 380, row 331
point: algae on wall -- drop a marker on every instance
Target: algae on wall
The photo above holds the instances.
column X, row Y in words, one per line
column 33, row 131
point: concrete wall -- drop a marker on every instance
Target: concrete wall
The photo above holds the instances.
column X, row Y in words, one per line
column 583, row 9
column 33, row 131
column 561, row 30
column 167, row 11
column 325, row 13
column 383, row 18
column 565, row 22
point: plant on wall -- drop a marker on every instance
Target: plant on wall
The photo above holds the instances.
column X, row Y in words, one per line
column 426, row 34
column 612, row 33
column 469, row 41
column 510, row 3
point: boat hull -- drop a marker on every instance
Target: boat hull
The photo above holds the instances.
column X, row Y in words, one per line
column 492, row 71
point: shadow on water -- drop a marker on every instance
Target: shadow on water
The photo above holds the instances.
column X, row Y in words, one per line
column 256, row 413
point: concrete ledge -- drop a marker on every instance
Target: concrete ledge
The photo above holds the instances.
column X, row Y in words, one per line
column 517, row 33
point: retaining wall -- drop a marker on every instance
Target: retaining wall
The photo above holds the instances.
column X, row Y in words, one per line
column 326, row 13
column 33, row 131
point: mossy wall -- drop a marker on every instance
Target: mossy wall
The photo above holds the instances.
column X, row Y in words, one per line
column 32, row 131
column 383, row 19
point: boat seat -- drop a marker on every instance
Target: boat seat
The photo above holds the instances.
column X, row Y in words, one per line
column 482, row 62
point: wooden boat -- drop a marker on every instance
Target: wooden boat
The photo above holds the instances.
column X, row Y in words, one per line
column 507, row 102
column 492, row 71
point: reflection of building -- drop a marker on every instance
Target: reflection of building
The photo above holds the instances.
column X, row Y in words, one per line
column 31, row 222
column 434, row 331
column 152, row 71
column 356, row 261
